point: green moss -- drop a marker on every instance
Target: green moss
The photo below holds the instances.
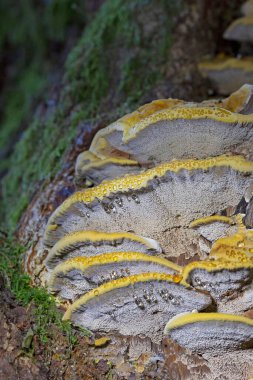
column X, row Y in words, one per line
column 45, row 309
column 116, row 63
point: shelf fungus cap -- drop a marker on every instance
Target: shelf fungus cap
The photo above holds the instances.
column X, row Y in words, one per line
column 102, row 147
column 184, row 131
column 93, row 243
column 211, row 332
column 212, row 228
column 171, row 193
column 240, row 30
column 220, row 278
column 228, row 74
column 79, row 275
column 93, row 170
column 134, row 305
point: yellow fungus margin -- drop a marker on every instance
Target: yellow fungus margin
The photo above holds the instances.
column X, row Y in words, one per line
column 138, row 181
column 214, row 266
column 212, row 219
column 69, row 240
column 131, row 127
column 245, row 64
column 83, row 263
column 117, row 284
column 189, row 318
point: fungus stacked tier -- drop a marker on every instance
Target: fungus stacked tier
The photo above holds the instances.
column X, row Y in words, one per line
column 227, row 73
column 114, row 246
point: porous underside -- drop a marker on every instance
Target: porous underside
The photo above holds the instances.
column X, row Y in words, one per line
column 214, row 336
column 88, row 248
column 172, row 201
column 165, row 140
column 75, row 283
column 228, row 79
column 239, row 31
column 221, row 282
column 117, row 310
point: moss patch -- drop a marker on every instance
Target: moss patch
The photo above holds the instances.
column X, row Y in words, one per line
column 45, row 310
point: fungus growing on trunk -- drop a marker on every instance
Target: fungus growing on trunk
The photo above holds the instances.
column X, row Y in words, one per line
column 240, row 30
column 211, row 332
column 183, row 131
column 92, row 243
column 220, row 278
column 139, row 304
column 79, row 275
column 186, row 130
column 228, row 74
column 167, row 196
column 94, row 170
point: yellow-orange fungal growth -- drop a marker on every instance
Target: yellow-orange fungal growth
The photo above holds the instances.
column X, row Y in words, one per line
column 119, row 283
column 83, row 263
column 212, row 219
column 214, row 266
column 239, row 255
column 245, row 64
column 77, row 238
column 190, row 112
column 148, row 109
column 188, row 318
column 98, row 163
column 138, row 181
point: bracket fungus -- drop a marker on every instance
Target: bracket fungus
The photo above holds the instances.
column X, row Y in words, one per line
column 220, row 278
column 211, row 332
column 134, row 305
column 172, row 193
column 212, row 228
column 79, row 275
column 92, row 243
column 183, row 131
column 95, row 170
column 167, row 175
column 240, row 30
column 228, row 74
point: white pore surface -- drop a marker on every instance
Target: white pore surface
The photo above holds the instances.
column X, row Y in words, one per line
column 172, row 202
column 177, row 139
column 105, row 172
column 221, row 283
column 75, row 283
column 214, row 336
column 88, row 249
column 216, row 230
column 239, row 304
column 229, row 80
column 241, row 32
column 117, row 310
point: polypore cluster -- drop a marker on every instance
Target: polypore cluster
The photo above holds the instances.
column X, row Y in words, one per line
column 228, row 73
column 166, row 176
